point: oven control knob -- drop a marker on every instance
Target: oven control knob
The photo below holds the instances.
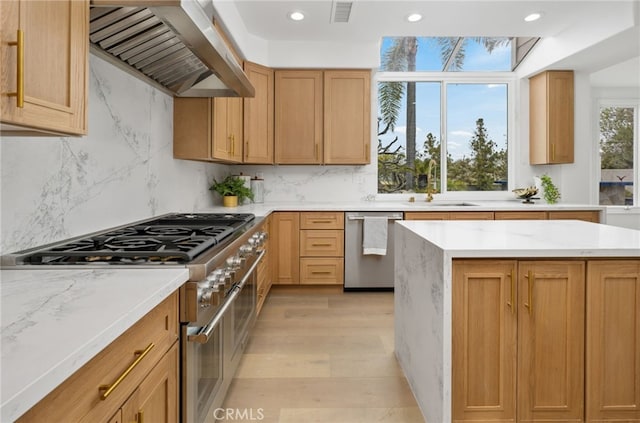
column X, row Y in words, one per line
column 214, row 276
column 234, row 262
column 247, row 250
column 209, row 297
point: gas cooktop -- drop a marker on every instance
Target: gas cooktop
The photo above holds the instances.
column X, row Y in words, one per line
column 170, row 239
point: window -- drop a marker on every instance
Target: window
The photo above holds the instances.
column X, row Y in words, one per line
column 443, row 131
column 618, row 145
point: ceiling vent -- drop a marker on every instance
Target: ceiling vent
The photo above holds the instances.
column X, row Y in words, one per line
column 341, row 11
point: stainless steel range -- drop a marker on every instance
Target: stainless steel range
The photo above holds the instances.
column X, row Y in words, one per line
column 217, row 304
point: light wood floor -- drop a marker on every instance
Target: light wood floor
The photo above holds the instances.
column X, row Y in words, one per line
column 323, row 356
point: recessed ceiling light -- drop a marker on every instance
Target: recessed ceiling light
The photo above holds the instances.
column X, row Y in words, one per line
column 533, row 17
column 414, row 17
column 296, row 16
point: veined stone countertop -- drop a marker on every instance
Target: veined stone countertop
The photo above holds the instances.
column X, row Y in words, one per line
column 424, row 255
column 528, row 238
column 55, row 321
column 264, row 209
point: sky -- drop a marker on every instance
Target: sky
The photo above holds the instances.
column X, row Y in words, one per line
column 465, row 102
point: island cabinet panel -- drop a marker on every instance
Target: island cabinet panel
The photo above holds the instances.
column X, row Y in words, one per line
column 285, row 244
column 518, row 339
column 551, row 325
column 613, row 341
column 54, row 43
column 147, row 356
column 484, row 341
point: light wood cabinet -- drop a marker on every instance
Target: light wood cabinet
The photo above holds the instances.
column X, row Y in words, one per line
column 551, row 325
column 520, row 215
column 484, row 338
column 153, row 378
column 322, row 116
column 551, row 120
column 613, row 341
column 55, row 45
column 258, row 115
column 322, row 248
column 285, row 242
column 298, row 117
column 207, row 129
column 589, row 216
column 347, row 117
column 308, row 248
column 544, row 379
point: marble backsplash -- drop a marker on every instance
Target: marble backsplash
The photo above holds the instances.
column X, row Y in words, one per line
column 54, row 188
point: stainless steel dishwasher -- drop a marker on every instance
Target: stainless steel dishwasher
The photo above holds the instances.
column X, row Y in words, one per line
column 367, row 271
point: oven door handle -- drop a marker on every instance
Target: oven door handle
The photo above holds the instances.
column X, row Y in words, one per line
column 203, row 336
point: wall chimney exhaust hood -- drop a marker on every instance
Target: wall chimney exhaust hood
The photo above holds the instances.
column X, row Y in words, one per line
column 172, row 44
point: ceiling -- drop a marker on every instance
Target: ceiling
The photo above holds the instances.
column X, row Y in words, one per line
column 372, row 19
column 586, row 27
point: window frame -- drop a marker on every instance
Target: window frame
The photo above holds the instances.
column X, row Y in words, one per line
column 620, row 102
column 444, row 78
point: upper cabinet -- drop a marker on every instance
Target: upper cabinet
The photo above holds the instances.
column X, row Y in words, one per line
column 44, row 51
column 258, row 116
column 551, row 118
column 322, row 116
column 208, row 129
column 298, row 117
column 347, row 117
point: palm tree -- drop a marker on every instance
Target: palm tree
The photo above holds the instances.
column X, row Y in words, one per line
column 401, row 57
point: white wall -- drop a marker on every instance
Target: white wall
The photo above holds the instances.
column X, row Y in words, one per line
column 58, row 187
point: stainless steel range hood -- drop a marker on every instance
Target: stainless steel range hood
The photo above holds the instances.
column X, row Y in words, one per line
column 171, row 44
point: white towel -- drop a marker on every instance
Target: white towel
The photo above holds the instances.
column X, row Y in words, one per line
column 374, row 235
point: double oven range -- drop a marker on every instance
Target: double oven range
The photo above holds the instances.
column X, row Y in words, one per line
column 217, row 304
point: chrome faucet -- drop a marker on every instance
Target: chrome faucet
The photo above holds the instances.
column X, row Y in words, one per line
column 431, row 176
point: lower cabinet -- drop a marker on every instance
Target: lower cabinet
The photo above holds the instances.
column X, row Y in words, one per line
column 134, row 379
column 308, row 248
column 613, row 341
column 518, row 340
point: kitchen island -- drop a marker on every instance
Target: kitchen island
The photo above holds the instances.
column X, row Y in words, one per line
column 466, row 301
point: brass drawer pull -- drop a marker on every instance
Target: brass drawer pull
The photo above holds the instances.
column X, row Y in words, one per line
column 19, row 94
column 320, row 273
column 321, row 245
column 322, row 221
column 513, row 292
column 109, row 389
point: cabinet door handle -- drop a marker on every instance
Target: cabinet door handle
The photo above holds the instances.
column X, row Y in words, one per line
column 233, row 144
column 511, row 302
column 317, row 152
column 140, row 416
column 109, row 389
column 553, row 152
column 19, row 94
column 529, row 304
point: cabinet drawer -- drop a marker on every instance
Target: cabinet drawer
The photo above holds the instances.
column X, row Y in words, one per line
column 322, row 220
column 79, row 396
column 589, row 216
column 520, row 215
column 326, row 271
column 322, row 243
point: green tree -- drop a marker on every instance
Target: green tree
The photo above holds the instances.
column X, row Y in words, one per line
column 483, row 157
column 401, row 57
column 616, row 138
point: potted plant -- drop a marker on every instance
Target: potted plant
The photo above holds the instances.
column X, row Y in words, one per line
column 550, row 191
column 232, row 190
